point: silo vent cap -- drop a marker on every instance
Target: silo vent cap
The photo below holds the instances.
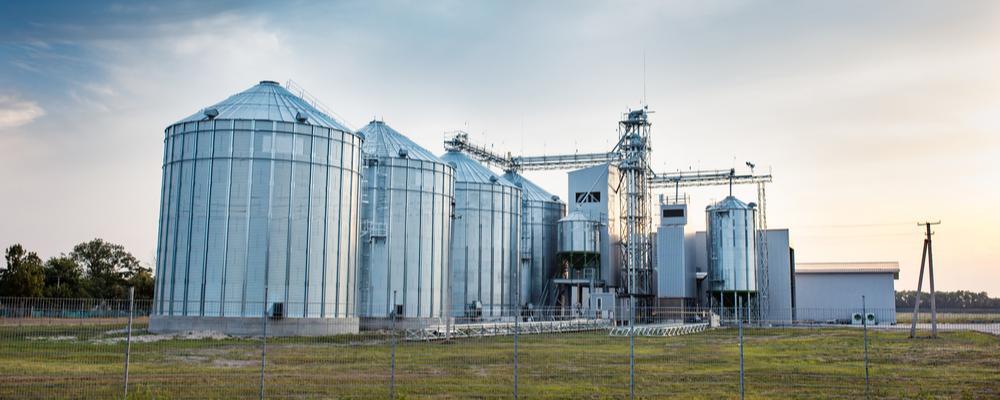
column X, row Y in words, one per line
column 299, row 116
column 211, row 113
column 494, row 179
column 268, row 83
column 403, row 153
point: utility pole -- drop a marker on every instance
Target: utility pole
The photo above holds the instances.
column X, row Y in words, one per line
column 926, row 258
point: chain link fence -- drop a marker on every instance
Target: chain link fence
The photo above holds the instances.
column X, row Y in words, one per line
column 87, row 348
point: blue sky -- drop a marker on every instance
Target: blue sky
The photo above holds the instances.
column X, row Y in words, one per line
column 873, row 115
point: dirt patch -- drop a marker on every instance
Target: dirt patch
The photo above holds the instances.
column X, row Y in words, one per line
column 33, row 321
column 152, row 338
column 51, row 337
column 234, row 363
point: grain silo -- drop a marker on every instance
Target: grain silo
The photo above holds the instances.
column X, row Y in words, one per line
column 540, row 214
column 260, row 195
column 732, row 250
column 406, row 210
column 485, row 240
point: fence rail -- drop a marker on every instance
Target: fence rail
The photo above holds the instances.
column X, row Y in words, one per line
column 90, row 348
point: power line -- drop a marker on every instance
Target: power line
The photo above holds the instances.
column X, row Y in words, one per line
column 876, row 225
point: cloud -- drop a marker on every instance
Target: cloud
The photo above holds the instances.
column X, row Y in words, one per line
column 15, row 112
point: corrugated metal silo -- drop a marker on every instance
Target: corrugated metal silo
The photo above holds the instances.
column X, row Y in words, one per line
column 540, row 214
column 485, row 240
column 406, row 212
column 259, row 191
column 732, row 246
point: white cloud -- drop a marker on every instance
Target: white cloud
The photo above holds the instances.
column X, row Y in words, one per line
column 15, row 112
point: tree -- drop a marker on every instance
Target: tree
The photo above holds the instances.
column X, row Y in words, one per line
column 107, row 266
column 142, row 280
column 961, row 299
column 63, row 278
column 24, row 275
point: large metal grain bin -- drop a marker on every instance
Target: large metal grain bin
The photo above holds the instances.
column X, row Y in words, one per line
column 485, row 242
column 260, row 194
column 406, row 210
column 540, row 214
column 732, row 247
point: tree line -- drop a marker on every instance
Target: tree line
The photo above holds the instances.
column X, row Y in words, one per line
column 961, row 299
column 93, row 269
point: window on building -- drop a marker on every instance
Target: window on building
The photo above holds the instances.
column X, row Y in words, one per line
column 673, row 213
column 588, row 197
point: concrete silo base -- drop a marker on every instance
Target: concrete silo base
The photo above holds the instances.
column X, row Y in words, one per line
column 384, row 323
column 236, row 326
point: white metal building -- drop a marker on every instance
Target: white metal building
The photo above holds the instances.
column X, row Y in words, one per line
column 832, row 291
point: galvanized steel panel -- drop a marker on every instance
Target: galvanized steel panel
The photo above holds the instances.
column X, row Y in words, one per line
column 540, row 215
column 732, row 247
column 253, row 203
column 485, row 243
column 406, row 220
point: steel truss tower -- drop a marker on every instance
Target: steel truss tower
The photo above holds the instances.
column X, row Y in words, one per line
column 633, row 148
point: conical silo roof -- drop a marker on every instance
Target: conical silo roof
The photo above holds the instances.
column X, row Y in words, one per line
column 383, row 141
column 530, row 190
column 730, row 203
column 576, row 216
column 469, row 170
column 268, row 101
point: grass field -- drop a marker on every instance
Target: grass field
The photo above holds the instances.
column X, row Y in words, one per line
column 86, row 361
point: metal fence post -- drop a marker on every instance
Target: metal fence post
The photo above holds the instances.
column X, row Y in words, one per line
column 739, row 322
column 864, row 323
column 263, row 345
column 631, row 348
column 128, row 338
column 517, row 325
column 392, row 365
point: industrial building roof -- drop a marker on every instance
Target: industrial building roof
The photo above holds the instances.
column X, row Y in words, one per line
column 849, row 268
column 267, row 101
column 469, row 170
column 530, row 190
column 383, row 141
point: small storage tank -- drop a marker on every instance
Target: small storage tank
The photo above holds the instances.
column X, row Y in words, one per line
column 259, row 193
column 732, row 246
column 485, row 242
column 406, row 212
column 578, row 234
column 540, row 214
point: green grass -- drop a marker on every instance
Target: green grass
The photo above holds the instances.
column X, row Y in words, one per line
column 78, row 361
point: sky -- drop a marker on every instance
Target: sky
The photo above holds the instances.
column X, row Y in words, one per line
column 871, row 116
